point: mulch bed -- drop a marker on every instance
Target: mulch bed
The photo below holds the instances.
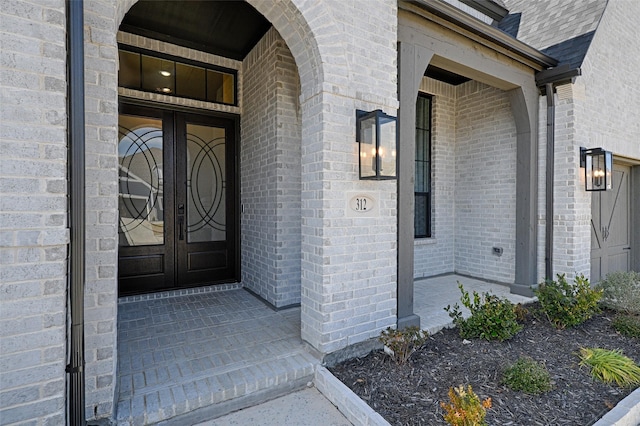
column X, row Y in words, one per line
column 410, row 394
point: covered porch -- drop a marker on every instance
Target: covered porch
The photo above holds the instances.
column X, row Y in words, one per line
column 193, row 355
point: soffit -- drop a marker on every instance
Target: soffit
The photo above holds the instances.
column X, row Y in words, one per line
column 225, row 28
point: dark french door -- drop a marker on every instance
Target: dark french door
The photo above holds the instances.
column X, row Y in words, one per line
column 177, row 200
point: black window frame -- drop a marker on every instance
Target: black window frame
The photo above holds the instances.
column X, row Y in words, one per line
column 424, row 193
column 185, row 61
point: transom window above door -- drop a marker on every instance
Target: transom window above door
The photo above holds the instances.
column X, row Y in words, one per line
column 151, row 72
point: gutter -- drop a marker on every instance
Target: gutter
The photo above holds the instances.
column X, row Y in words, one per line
column 76, row 205
column 548, row 79
column 483, row 31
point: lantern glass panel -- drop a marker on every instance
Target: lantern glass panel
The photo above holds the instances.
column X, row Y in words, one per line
column 368, row 147
column 387, row 148
column 608, row 169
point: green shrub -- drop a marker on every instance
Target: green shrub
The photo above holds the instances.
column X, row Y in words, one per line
column 465, row 408
column 528, row 376
column 492, row 318
column 621, row 291
column 627, row 325
column 567, row 305
column 402, row 343
column 611, row 366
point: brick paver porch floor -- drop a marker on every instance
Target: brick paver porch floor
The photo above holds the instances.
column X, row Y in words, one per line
column 187, row 358
column 210, row 352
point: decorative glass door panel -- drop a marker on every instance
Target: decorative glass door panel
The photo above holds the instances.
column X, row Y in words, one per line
column 206, row 198
column 177, row 200
column 140, row 178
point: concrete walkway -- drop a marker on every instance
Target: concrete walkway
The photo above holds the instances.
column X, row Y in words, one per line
column 307, row 407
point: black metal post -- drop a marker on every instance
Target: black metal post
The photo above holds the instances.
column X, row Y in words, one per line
column 76, row 187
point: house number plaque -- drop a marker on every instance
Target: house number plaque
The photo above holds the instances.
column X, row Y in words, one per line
column 362, row 204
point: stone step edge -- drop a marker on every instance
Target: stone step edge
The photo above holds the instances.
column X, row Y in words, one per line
column 297, row 372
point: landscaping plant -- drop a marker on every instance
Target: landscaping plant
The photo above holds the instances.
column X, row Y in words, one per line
column 621, row 292
column 611, row 366
column 492, row 318
column 565, row 304
column 627, row 325
column 402, row 343
column 527, row 376
column 465, row 408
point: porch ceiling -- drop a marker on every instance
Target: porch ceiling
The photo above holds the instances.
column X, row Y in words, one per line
column 226, row 28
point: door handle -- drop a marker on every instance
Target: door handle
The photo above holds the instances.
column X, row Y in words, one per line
column 626, row 248
column 180, row 227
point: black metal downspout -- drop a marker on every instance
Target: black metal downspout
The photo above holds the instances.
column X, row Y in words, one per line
column 549, row 79
column 76, row 177
column 551, row 126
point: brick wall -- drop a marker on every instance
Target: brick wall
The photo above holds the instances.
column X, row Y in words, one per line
column 485, row 193
column 473, row 172
column 33, row 221
column 348, row 263
column 572, row 204
column 270, row 164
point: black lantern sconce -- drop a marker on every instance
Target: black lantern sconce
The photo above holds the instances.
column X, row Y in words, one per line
column 377, row 137
column 597, row 164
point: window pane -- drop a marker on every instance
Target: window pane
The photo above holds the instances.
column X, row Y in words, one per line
column 422, row 216
column 129, row 71
column 422, row 145
column 158, row 75
column 420, row 177
column 220, row 87
column 423, row 113
column 190, row 81
column 423, row 168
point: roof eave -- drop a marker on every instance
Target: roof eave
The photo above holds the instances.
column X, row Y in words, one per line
column 487, row 32
column 487, row 7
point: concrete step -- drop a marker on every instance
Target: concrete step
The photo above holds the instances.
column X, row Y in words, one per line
column 216, row 392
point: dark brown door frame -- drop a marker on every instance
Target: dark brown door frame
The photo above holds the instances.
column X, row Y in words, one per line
column 170, row 250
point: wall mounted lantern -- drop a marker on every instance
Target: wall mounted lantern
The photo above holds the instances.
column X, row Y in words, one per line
column 378, row 141
column 597, row 164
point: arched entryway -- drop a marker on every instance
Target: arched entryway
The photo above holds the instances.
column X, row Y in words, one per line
column 261, row 121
